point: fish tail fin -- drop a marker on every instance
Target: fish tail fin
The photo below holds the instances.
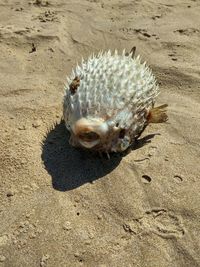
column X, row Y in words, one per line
column 158, row 114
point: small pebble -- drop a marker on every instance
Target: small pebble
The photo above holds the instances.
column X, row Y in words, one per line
column 146, row 179
column 39, row 231
column 32, row 236
column 2, row 258
column 19, row 9
column 44, row 260
column 22, row 127
column 10, row 194
column 26, row 187
column 15, row 241
column 67, row 226
column 3, row 240
column 91, row 235
column 99, row 217
column 16, row 233
column 51, row 49
column 34, row 186
column 178, row 178
column 87, row 242
column 45, row 257
column 22, row 225
column 23, row 161
column 33, row 49
column 147, row 34
column 37, row 123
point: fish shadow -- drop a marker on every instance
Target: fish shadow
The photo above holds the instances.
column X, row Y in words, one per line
column 69, row 167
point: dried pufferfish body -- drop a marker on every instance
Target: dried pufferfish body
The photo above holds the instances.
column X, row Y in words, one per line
column 108, row 102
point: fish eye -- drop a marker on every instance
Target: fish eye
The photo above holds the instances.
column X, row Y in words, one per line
column 88, row 136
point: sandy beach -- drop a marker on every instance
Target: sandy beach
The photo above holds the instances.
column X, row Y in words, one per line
column 61, row 207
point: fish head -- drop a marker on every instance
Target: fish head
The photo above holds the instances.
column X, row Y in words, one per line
column 99, row 134
column 90, row 132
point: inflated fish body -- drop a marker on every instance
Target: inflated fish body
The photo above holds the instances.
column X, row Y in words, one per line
column 109, row 100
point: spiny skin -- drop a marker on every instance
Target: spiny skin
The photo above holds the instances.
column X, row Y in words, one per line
column 107, row 101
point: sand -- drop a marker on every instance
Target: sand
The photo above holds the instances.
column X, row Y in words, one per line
column 60, row 207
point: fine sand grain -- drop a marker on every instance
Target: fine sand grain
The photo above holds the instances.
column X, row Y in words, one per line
column 60, row 207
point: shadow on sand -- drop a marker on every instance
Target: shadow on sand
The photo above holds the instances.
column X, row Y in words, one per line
column 70, row 167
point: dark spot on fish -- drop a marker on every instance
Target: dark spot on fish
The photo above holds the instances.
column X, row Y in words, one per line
column 122, row 133
column 117, row 124
column 74, row 85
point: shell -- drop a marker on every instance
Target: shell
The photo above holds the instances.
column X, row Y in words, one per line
column 107, row 101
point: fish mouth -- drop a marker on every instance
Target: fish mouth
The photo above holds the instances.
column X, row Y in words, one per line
column 88, row 139
column 88, row 144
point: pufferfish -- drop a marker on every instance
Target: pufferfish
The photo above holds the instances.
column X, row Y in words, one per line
column 109, row 100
